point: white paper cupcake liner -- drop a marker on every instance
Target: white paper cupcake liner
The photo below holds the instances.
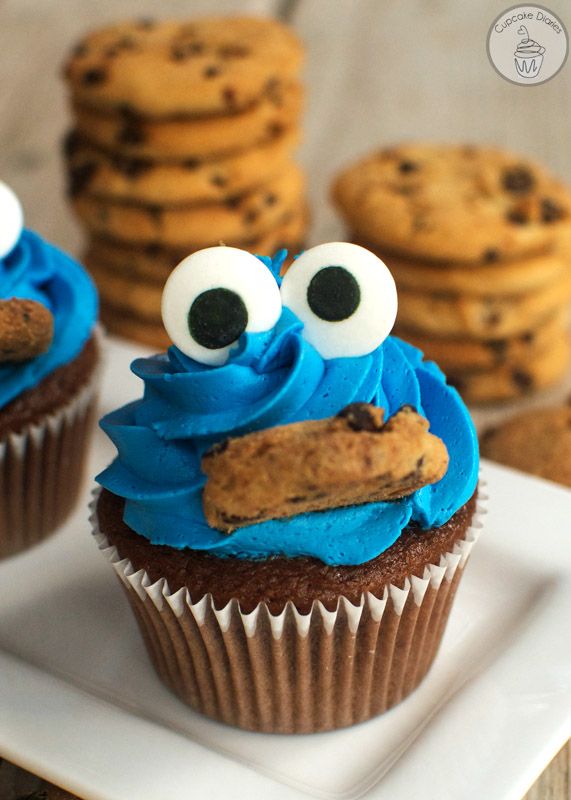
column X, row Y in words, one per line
column 293, row 672
column 42, row 469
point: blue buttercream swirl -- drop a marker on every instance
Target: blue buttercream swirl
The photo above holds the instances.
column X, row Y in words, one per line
column 272, row 379
column 35, row 270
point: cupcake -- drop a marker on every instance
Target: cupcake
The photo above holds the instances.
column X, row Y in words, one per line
column 294, row 496
column 48, row 370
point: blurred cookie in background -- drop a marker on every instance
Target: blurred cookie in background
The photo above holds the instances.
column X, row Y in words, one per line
column 183, row 136
column 537, row 441
column 479, row 243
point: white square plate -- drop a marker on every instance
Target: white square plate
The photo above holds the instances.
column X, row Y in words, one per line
column 81, row 705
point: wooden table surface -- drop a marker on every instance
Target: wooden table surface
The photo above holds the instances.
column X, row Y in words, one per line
column 378, row 71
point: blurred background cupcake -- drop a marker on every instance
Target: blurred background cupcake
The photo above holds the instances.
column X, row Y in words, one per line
column 183, row 136
column 48, row 380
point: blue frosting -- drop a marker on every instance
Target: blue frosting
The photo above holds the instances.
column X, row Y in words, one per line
column 35, row 270
column 272, row 379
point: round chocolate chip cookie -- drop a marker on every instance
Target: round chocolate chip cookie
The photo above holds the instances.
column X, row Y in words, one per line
column 463, row 204
column 485, row 317
column 157, row 68
column 482, row 280
column 141, row 180
column 537, row 441
column 456, row 353
column 249, row 216
column 154, row 262
column 509, row 381
column 190, row 138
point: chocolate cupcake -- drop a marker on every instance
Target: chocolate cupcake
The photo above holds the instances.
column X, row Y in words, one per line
column 295, row 495
column 48, row 372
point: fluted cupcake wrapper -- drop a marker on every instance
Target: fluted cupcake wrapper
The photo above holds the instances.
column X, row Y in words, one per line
column 41, row 471
column 293, row 672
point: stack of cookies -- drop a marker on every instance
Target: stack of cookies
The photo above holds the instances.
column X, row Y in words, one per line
column 183, row 138
column 479, row 243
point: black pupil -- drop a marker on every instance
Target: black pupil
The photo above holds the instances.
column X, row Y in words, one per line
column 333, row 294
column 217, row 318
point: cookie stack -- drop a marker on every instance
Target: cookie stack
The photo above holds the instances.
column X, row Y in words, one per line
column 183, row 138
column 479, row 243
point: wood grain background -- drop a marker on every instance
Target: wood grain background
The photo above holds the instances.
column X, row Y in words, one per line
column 378, row 71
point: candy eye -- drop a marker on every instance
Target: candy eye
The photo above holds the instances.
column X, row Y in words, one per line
column 344, row 295
column 213, row 297
column 11, row 219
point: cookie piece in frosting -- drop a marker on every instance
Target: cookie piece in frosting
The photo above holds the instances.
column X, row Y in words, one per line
column 349, row 459
column 26, row 329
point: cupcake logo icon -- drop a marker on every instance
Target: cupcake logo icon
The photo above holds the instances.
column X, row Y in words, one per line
column 528, row 55
column 527, row 45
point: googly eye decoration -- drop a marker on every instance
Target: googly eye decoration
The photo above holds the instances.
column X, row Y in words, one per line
column 213, row 297
column 11, row 220
column 345, row 296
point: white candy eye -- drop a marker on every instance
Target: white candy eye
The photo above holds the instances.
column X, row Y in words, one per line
column 213, row 297
column 344, row 295
column 11, row 219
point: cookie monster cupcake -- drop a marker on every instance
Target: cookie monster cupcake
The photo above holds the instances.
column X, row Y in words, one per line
column 294, row 497
column 48, row 360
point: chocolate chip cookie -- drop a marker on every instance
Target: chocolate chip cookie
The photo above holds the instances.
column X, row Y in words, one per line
column 463, row 203
column 108, row 175
column 537, row 441
column 247, row 216
column 187, row 139
column 213, row 65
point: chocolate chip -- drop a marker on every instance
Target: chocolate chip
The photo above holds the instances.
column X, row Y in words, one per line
column 217, row 448
column 79, row 177
column 185, row 50
column 550, row 211
column 527, row 338
column 487, row 436
column 491, row 255
column 71, row 143
column 80, row 50
column 155, row 212
column 233, row 202
column 359, row 417
column 498, row 347
column 517, row 217
column 132, row 167
column 229, row 96
column 191, row 163
column 131, row 132
column 233, row 51
column 218, row 180
column 456, row 382
column 94, row 76
column 522, row 379
column 251, row 216
column 212, row 71
column 153, row 249
column 270, row 199
column 518, row 180
column 407, row 166
column 492, row 318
